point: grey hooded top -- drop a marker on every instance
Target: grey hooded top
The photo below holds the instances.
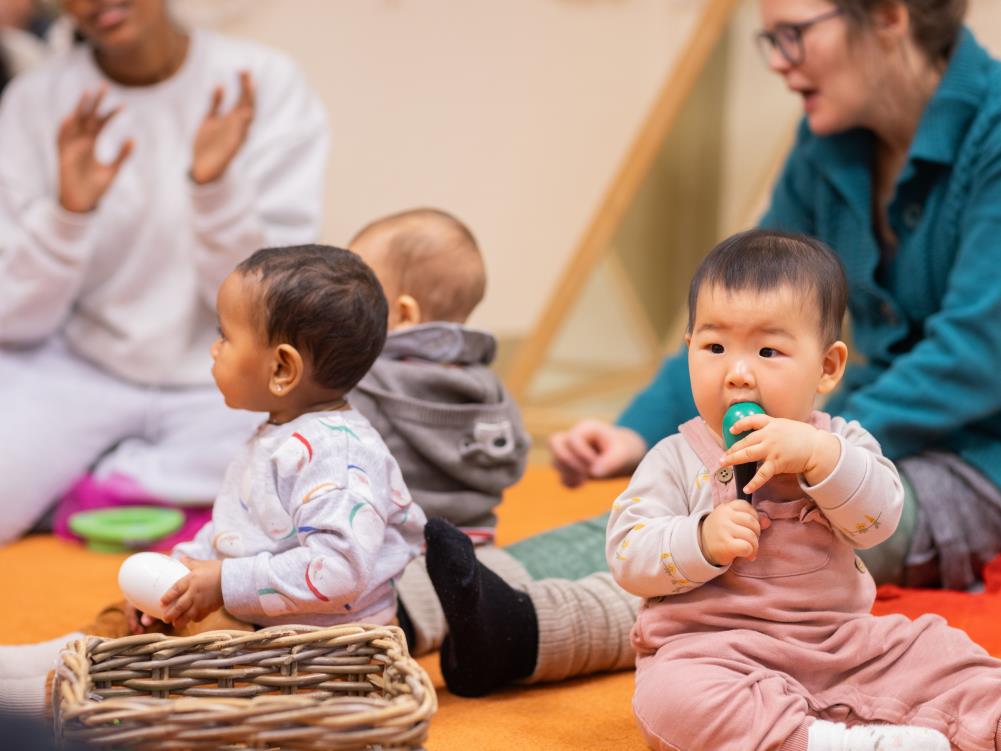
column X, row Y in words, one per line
column 447, row 420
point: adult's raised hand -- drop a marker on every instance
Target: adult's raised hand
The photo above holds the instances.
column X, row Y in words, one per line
column 222, row 134
column 83, row 179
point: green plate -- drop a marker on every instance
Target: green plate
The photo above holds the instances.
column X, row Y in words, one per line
column 126, row 527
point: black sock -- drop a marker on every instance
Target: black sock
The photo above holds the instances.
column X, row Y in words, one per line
column 403, row 617
column 493, row 631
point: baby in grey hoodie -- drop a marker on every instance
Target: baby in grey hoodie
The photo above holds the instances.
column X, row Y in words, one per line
column 444, row 414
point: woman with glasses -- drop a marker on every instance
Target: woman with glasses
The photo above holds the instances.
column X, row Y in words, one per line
column 136, row 170
column 897, row 166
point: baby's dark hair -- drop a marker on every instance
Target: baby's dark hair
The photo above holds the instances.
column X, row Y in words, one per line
column 327, row 303
column 761, row 260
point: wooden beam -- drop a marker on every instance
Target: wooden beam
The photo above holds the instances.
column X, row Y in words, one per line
column 623, row 189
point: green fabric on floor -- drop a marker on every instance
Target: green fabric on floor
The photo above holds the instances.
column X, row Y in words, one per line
column 569, row 552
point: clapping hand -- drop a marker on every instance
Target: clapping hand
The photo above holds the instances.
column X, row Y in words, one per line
column 221, row 134
column 83, row 180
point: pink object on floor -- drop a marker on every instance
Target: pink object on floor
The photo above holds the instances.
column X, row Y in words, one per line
column 91, row 494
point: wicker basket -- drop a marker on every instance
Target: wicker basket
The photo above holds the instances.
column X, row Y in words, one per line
column 288, row 687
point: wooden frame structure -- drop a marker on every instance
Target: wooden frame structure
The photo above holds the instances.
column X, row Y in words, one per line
column 620, row 194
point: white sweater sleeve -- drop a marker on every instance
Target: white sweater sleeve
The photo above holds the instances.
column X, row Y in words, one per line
column 339, row 532
column 272, row 192
column 652, row 543
column 199, row 547
column 863, row 497
column 44, row 250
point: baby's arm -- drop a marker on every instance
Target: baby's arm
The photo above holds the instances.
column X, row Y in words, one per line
column 199, row 547
column 652, row 545
column 339, row 529
column 327, row 572
column 193, row 552
column 862, row 497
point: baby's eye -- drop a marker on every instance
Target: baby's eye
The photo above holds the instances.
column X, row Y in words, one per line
column 221, row 335
column 716, row 349
column 768, row 352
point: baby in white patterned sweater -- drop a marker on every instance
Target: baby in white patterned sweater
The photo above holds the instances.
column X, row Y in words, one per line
column 313, row 524
column 314, row 521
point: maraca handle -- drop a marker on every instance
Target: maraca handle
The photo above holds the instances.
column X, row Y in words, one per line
column 742, row 474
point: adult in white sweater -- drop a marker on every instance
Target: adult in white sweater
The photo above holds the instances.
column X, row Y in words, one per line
column 136, row 171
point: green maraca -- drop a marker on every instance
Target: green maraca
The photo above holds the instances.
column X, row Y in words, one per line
column 737, row 412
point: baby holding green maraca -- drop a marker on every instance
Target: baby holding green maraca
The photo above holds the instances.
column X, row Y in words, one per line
column 790, row 447
column 756, row 631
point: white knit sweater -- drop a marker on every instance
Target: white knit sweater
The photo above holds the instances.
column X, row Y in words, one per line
column 132, row 284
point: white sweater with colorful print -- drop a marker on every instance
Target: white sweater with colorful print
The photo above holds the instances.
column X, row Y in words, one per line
column 313, row 525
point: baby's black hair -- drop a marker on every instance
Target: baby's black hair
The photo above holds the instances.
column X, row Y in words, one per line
column 327, row 303
column 761, row 260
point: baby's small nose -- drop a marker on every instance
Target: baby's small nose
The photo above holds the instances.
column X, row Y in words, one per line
column 740, row 375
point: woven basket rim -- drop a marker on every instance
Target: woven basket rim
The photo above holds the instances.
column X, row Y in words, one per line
column 79, row 712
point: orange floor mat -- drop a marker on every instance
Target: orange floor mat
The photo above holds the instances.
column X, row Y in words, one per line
column 51, row 587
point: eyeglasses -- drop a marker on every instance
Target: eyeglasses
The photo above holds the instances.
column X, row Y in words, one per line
column 787, row 38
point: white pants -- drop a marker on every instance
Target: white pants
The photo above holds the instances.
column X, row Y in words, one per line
column 63, row 416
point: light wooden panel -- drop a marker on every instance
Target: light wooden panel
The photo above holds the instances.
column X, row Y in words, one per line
column 621, row 191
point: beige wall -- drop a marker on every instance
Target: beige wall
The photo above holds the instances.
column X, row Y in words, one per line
column 512, row 114
column 985, row 18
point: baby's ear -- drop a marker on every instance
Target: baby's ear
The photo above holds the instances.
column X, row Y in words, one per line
column 407, row 311
column 287, row 369
column 835, row 359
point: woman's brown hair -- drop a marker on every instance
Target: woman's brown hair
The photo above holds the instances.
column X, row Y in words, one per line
column 935, row 24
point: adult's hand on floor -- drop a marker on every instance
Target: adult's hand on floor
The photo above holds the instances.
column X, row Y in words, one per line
column 593, row 449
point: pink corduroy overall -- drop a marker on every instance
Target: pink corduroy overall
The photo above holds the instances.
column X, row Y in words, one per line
column 748, row 660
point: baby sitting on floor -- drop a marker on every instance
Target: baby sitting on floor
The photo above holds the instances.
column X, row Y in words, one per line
column 434, row 397
column 756, row 630
column 314, row 522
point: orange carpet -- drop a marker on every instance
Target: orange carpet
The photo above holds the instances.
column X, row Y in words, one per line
column 51, row 587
